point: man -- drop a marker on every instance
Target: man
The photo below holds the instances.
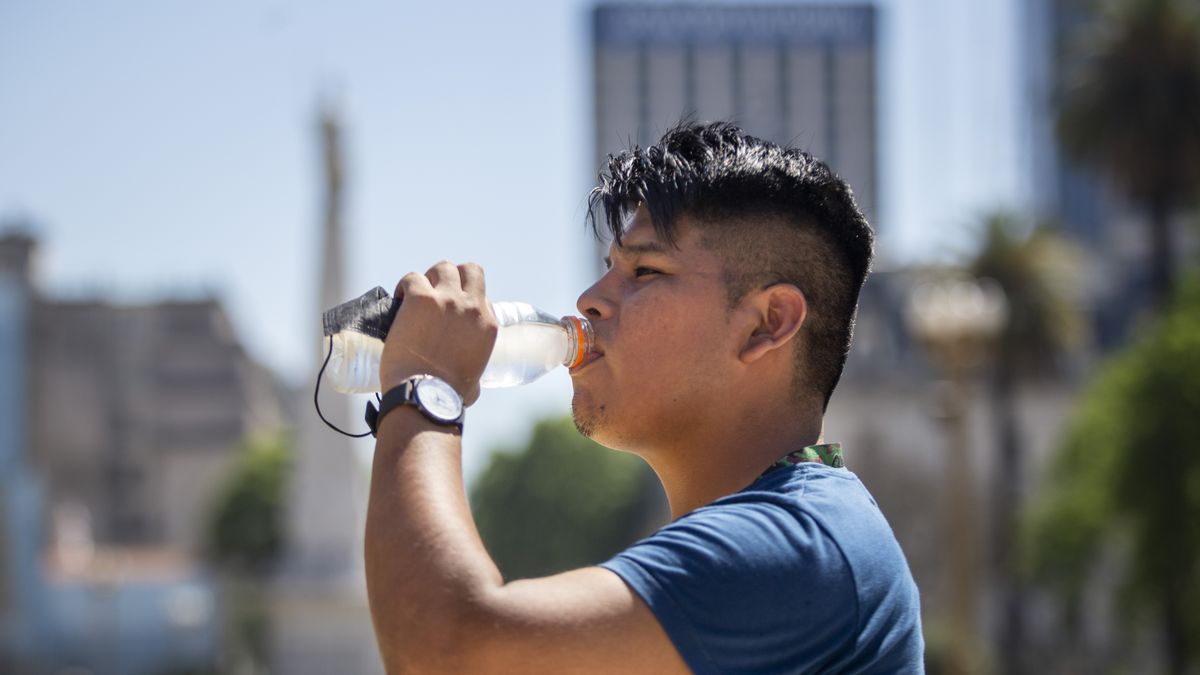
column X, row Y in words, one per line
column 721, row 326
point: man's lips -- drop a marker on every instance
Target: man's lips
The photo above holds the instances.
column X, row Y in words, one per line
column 587, row 359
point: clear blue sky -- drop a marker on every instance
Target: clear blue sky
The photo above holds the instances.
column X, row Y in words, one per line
column 166, row 148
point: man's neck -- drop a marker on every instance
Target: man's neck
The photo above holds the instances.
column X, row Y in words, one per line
column 720, row 459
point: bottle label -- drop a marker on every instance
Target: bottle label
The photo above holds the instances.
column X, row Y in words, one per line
column 371, row 314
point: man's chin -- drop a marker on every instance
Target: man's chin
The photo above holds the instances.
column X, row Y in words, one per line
column 585, row 422
column 594, row 422
column 584, row 427
column 589, row 418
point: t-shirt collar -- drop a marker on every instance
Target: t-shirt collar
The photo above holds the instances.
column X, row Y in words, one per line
column 829, row 454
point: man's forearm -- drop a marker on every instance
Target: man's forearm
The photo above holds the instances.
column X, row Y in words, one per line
column 427, row 570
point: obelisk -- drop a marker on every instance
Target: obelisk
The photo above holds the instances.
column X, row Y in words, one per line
column 325, row 510
column 320, row 620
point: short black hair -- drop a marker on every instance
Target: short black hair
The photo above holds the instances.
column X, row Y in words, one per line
column 771, row 213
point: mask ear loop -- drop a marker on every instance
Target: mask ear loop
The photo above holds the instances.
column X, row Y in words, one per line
column 317, row 391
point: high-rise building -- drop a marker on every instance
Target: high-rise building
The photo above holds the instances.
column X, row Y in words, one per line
column 802, row 75
column 1060, row 189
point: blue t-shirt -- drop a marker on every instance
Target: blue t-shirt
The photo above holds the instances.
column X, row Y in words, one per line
column 797, row 573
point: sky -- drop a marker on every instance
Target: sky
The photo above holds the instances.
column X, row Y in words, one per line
column 166, row 149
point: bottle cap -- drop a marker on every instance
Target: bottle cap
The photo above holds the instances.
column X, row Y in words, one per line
column 579, row 332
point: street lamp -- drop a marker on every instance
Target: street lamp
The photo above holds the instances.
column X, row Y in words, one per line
column 957, row 321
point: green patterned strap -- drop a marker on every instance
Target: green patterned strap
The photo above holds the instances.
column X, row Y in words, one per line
column 829, row 454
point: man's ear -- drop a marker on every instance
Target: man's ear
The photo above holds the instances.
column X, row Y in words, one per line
column 778, row 311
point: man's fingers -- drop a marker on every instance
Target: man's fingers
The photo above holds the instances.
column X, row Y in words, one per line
column 472, row 279
column 444, row 274
column 412, row 284
column 444, row 327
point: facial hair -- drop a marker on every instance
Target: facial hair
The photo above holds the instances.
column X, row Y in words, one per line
column 587, row 419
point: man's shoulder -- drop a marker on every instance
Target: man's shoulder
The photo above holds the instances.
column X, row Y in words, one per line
column 770, row 523
column 761, row 546
column 788, row 562
column 833, row 506
column 830, row 497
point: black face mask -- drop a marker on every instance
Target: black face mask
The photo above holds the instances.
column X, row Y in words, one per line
column 371, row 314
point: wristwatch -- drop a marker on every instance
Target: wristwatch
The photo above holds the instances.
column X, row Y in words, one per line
column 433, row 396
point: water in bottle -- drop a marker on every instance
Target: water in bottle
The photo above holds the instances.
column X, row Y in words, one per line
column 529, row 344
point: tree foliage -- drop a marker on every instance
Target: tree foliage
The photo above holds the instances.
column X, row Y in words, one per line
column 1127, row 480
column 1131, row 108
column 246, row 529
column 1033, row 267
column 561, row 502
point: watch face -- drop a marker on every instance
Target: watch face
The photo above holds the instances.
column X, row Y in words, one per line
column 439, row 399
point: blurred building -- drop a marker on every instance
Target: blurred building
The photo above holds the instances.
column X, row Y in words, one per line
column 120, row 422
column 800, row 74
column 117, row 425
column 1079, row 199
column 137, row 412
column 22, row 590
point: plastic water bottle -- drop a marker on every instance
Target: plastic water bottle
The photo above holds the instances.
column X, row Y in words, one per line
column 529, row 344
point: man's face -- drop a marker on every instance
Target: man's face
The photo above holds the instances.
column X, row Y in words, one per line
column 661, row 320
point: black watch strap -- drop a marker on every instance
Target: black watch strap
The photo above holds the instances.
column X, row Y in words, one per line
column 402, row 394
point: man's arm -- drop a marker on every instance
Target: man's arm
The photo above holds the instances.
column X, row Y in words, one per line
column 438, row 602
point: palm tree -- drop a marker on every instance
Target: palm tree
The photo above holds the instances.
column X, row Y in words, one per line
column 1032, row 269
column 1132, row 110
column 1120, row 499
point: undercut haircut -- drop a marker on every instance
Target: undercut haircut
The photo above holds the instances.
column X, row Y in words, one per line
column 771, row 214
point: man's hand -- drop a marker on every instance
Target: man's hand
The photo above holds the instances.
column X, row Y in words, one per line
column 444, row 327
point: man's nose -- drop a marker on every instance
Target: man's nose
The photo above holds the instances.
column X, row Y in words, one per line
column 594, row 303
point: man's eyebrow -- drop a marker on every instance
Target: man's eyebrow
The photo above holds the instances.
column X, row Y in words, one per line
column 627, row 250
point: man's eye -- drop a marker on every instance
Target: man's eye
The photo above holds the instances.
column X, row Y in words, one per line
column 643, row 271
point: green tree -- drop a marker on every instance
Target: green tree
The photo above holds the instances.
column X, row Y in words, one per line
column 562, row 502
column 1126, row 482
column 245, row 531
column 1029, row 267
column 1132, row 110
column 244, row 540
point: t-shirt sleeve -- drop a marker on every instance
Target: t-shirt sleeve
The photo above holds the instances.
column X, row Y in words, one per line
column 746, row 588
